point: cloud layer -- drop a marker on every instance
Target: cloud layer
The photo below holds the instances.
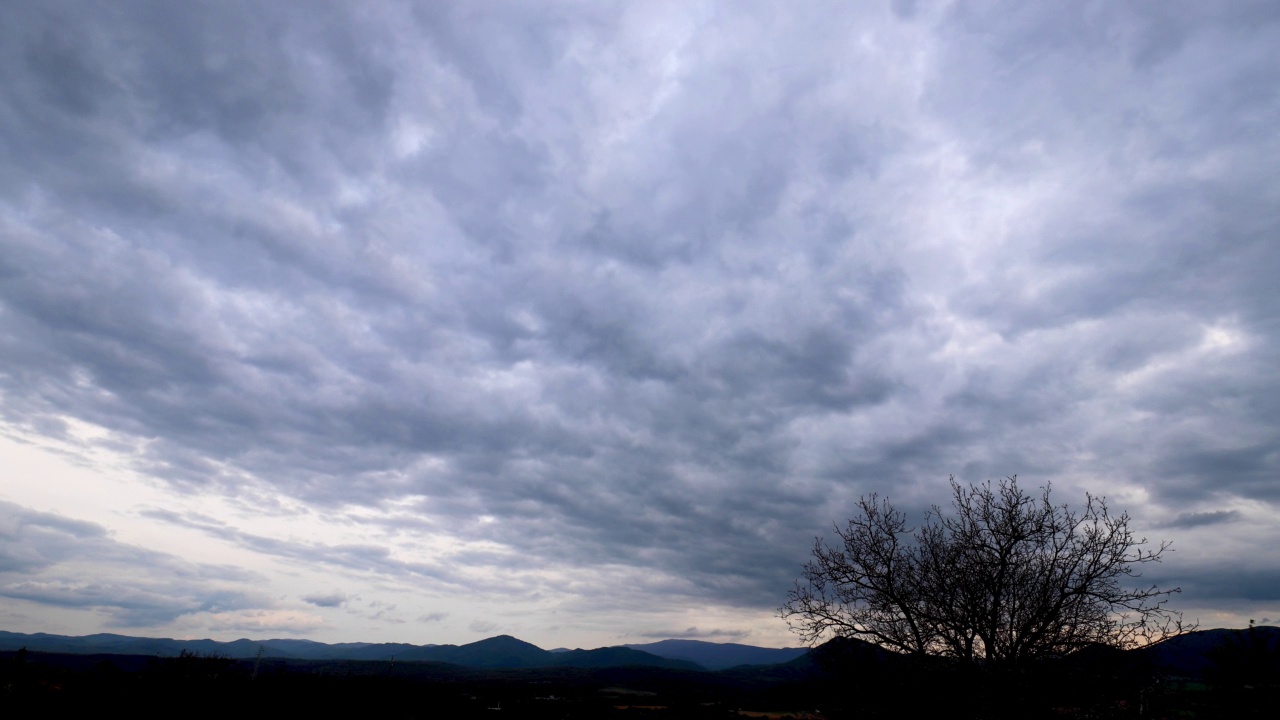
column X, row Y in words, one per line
column 651, row 291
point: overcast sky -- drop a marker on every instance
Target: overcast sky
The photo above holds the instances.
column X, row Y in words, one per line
column 426, row 322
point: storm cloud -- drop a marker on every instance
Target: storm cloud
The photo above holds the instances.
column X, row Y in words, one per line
column 623, row 304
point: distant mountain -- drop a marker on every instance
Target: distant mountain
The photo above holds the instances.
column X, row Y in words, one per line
column 620, row 656
column 1191, row 655
column 125, row 645
column 1196, row 653
column 312, row 650
column 719, row 656
column 501, row 652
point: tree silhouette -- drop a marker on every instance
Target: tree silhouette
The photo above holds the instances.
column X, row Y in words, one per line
column 1006, row 579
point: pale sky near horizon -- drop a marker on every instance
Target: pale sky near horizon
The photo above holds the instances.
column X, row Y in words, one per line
column 577, row 321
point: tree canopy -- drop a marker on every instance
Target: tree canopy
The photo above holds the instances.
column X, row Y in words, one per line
column 1006, row 577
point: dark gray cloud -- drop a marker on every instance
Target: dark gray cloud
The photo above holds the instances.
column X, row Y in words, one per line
column 130, row 605
column 328, row 601
column 1253, row 581
column 56, row 561
column 1214, row 517
column 653, row 287
column 367, row 558
column 694, row 633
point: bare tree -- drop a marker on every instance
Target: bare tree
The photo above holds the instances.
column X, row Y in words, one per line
column 1008, row 577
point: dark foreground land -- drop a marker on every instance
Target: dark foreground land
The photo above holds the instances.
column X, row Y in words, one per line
column 841, row 680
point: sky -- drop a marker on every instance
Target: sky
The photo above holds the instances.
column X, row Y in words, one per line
column 579, row 321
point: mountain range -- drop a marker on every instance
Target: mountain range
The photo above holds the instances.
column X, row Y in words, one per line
column 502, row 651
column 719, row 656
column 1188, row 655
